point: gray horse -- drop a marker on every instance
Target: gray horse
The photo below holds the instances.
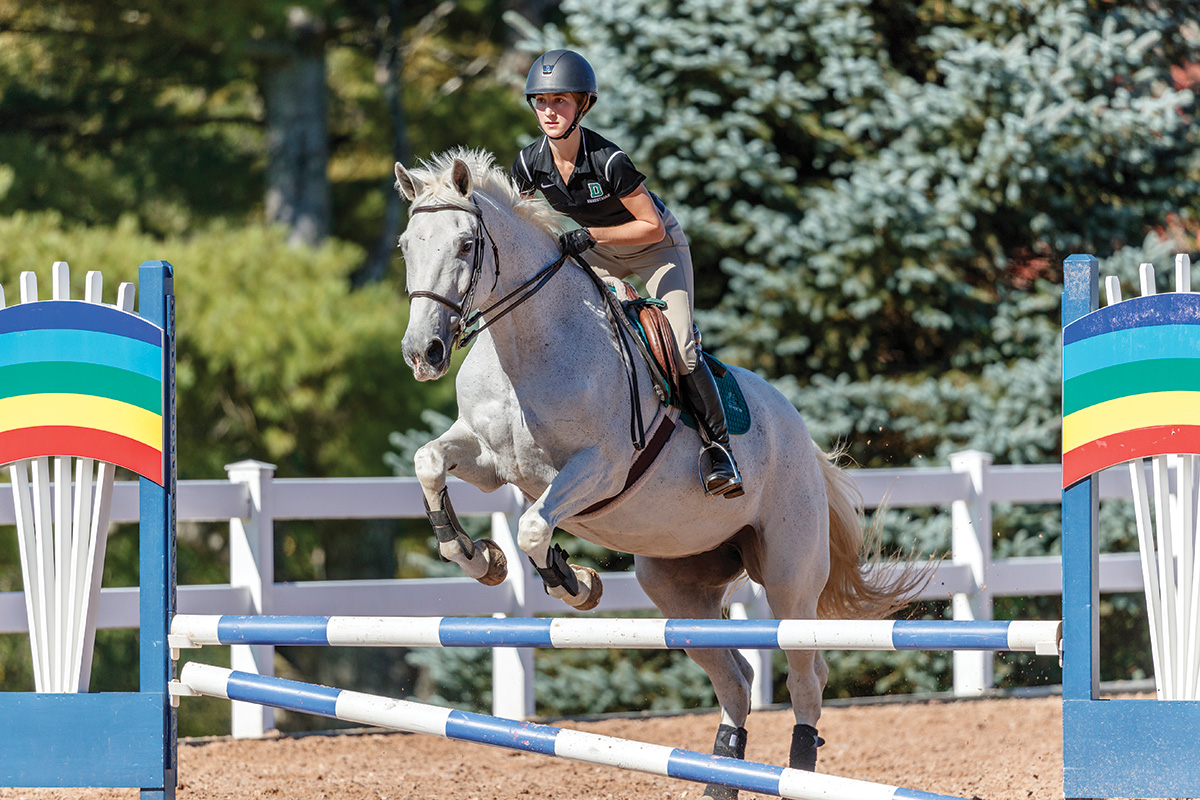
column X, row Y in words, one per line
column 544, row 404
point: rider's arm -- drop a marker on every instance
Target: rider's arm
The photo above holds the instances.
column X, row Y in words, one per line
column 645, row 228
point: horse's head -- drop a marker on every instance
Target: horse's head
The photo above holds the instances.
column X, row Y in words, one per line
column 443, row 254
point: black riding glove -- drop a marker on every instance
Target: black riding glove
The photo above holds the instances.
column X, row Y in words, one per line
column 574, row 242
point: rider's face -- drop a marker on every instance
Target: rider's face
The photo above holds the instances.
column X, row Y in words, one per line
column 555, row 112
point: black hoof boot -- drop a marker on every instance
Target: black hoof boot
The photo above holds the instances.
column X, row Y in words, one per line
column 446, row 526
column 804, row 748
column 731, row 743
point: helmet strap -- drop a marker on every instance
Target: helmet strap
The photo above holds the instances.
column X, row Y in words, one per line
column 570, row 130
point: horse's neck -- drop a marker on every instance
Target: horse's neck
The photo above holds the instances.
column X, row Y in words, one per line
column 561, row 327
column 553, row 365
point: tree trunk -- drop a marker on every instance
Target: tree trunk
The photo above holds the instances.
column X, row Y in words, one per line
column 298, row 134
column 387, row 75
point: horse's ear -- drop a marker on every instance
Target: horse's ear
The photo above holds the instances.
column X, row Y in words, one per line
column 461, row 175
column 406, row 183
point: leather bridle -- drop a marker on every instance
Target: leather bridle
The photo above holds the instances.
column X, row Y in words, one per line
column 506, row 304
column 467, row 317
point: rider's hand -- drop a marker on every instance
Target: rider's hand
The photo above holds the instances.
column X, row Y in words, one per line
column 574, row 242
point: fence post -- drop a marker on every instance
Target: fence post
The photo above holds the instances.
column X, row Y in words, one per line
column 971, row 545
column 252, row 565
column 512, row 667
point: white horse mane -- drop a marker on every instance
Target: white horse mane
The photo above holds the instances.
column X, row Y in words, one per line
column 436, row 183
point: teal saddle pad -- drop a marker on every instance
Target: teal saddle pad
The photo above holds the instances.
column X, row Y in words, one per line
column 737, row 413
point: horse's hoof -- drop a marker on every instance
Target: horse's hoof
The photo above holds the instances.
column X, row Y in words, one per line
column 497, row 569
column 588, row 579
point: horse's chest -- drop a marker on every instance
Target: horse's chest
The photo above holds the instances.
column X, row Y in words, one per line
column 530, row 436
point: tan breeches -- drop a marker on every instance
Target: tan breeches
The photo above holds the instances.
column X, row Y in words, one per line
column 666, row 269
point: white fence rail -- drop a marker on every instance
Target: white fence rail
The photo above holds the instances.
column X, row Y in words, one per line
column 252, row 499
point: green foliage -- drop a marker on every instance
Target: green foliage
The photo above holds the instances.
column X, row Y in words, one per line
column 867, row 186
column 146, row 108
column 155, row 109
column 277, row 358
column 878, row 195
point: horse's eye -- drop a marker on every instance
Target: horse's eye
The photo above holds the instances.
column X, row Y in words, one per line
column 466, row 248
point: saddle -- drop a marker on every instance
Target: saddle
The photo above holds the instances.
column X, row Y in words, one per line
column 647, row 325
column 655, row 338
column 657, row 345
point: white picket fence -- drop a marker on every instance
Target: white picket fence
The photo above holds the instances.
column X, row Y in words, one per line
column 252, row 499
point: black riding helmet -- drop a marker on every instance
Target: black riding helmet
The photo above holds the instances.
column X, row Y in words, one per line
column 562, row 72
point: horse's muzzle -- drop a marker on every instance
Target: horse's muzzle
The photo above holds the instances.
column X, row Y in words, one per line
column 428, row 363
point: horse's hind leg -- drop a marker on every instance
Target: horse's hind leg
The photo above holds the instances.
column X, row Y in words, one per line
column 791, row 561
column 458, row 450
column 693, row 588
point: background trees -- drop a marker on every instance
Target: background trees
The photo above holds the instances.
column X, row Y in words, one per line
column 878, row 193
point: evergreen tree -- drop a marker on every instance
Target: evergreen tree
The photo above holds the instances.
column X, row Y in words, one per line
column 879, row 193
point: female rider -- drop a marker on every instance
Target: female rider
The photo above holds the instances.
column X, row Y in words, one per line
column 630, row 232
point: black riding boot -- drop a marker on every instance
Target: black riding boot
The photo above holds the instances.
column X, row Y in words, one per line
column 702, row 398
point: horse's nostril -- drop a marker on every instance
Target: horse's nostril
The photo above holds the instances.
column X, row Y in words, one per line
column 435, row 352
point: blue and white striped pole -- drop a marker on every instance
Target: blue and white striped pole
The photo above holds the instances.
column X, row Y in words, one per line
column 189, row 631
column 405, row 715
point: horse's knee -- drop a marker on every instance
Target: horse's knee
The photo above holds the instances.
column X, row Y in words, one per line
column 429, row 465
column 533, row 537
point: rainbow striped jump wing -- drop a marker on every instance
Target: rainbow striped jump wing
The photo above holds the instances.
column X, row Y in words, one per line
column 81, row 379
column 1131, row 383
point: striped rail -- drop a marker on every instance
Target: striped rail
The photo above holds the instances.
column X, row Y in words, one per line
column 589, row 748
column 1043, row 638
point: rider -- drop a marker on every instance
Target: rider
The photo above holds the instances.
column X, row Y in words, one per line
column 592, row 181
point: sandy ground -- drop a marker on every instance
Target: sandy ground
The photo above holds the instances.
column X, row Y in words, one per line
column 1007, row 749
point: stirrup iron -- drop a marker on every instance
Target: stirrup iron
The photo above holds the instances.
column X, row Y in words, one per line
column 704, row 466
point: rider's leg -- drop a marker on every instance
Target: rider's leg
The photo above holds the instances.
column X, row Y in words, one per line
column 671, row 281
column 606, row 263
column 717, row 467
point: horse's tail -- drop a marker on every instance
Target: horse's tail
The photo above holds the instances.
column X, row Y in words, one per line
column 855, row 590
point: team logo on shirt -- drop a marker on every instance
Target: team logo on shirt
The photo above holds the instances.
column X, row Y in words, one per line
column 594, row 189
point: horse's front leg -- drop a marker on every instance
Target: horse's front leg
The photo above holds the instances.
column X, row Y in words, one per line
column 458, row 450
column 572, row 490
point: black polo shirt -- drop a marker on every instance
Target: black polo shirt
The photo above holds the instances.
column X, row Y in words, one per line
column 603, row 175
